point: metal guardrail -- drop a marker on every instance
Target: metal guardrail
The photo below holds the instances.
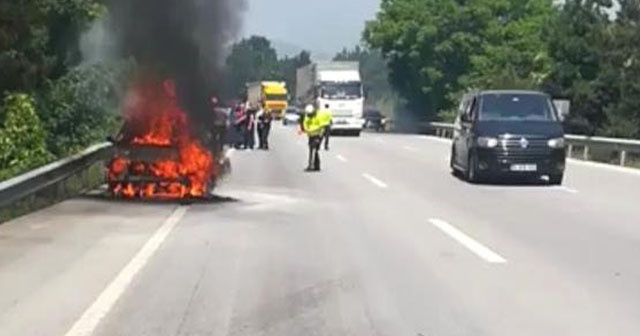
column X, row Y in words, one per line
column 623, row 147
column 22, row 187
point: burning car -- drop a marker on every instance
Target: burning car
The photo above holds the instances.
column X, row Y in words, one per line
column 157, row 152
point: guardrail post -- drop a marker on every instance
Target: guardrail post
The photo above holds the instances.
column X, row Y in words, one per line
column 438, row 132
column 623, row 158
column 570, row 151
column 585, row 153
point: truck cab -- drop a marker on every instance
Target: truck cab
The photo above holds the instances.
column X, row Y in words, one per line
column 272, row 96
column 338, row 87
column 346, row 102
column 275, row 97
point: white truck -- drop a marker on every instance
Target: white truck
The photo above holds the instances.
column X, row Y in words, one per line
column 337, row 85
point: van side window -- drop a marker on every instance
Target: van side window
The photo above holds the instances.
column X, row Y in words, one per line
column 463, row 106
column 462, row 109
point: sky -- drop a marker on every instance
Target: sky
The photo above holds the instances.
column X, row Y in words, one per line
column 318, row 25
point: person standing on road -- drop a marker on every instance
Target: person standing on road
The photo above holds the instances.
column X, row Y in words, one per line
column 327, row 118
column 314, row 126
column 250, row 128
column 220, row 124
column 240, row 120
column 264, row 119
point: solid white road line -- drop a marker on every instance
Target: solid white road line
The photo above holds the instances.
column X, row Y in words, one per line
column 91, row 318
column 468, row 242
column 375, row 181
column 341, row 158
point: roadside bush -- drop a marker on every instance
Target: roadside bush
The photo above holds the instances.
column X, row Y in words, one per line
column 22, row 137
column 80, row 108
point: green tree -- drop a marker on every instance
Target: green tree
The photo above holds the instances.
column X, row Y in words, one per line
column 513, row 51
column 38, row 39
column 252, row 59
column 437, row 48
column 576, row 40
column 619, row 73
column 373, row 68
column 426, row 48
column 22, row 137
column 80, row 108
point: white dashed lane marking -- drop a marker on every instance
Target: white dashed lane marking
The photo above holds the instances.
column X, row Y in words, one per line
column 471, row 244
column 375, row 181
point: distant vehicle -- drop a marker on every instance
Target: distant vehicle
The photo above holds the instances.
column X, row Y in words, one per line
column 508, row 133
column 373, row 119
column 271, row 96
column 291, row 116
column 338, row 85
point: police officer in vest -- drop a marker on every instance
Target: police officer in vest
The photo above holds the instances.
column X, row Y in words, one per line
column 327, row 117
column 315, row 125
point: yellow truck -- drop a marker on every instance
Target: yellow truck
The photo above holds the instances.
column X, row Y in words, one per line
column 272, row 96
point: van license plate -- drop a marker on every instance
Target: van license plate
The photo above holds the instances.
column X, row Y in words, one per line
column 524, row 168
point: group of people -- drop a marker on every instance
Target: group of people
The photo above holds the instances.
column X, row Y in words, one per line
column 247, row 118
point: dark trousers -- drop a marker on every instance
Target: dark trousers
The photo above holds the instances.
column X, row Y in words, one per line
column 314, row 152
column 327, row 135
column 220, row 137
column 249, row 137
column 263, row 134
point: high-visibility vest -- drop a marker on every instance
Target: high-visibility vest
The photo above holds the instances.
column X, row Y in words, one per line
column 313, row 125
column 325, row 116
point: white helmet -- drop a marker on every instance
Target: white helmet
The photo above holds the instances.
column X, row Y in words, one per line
column 309, row 109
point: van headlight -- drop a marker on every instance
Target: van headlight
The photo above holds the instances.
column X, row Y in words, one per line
column 556, row 143
column 487, row 142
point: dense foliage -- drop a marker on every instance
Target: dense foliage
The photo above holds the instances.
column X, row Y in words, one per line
column 584, row 50
column 254, row 59
column 22, row 136
column 374, row 72
column 51, row 104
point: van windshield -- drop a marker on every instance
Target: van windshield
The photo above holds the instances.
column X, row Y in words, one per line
column 516, row 107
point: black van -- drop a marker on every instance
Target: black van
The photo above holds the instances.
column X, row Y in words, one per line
column 508, row 133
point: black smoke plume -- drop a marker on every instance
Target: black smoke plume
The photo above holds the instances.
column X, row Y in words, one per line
column 180, row 39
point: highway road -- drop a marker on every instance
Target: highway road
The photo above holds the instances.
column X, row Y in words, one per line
column 384, row 241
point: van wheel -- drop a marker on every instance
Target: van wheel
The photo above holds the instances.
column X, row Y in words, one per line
column 473, row 175
column 452, row 161
column 556, row 179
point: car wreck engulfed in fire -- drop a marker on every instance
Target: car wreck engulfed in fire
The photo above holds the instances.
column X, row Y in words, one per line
column 157, row 154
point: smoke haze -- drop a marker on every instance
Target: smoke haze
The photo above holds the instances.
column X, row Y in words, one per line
column 181, row 39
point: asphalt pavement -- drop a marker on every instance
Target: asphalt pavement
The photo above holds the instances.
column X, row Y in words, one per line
column 384, row 241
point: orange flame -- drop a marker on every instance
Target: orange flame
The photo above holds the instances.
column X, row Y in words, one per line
column 155, row 119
